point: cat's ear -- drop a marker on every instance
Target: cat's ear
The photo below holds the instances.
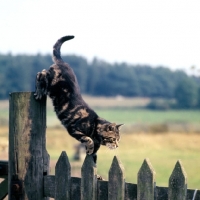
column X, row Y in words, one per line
column 111, row 127
column 118, row 126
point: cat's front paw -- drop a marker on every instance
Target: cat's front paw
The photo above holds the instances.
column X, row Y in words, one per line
column 41, row 84
column 89, row 144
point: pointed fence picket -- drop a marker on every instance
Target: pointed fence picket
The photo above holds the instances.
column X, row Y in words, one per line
column 88, row 187
column 26, row 176
column 178, row 183
column 89, row 179
column 62, row 180
column 146, row 181
column 116, row 180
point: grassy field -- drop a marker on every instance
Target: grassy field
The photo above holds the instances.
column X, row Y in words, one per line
column 163, row 150
column 177, row 137
column 129, row 111
column 145, row 121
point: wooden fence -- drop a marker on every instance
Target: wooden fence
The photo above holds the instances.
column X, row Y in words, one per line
column 27, row 175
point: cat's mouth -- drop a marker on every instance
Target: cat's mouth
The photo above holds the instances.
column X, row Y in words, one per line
column 111, row 146
column 111, row 143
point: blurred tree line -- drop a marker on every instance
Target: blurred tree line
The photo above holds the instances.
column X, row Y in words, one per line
column 17, row 73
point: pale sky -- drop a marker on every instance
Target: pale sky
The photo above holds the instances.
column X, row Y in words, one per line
column 154, row 32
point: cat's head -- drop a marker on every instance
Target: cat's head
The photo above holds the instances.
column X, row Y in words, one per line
column 109, row 133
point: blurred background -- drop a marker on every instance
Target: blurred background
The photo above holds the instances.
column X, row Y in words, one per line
column 137, row 63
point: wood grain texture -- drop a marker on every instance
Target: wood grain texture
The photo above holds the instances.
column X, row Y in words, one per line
column 146, row 181
column 88, row 179
column 116, row 180
column 178, row 183
column 62, row 178
column 28, row 158
column 49, row 186
column 102, row 190
column 130, row 191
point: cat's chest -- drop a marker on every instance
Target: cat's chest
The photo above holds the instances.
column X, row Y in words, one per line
column 87, row 127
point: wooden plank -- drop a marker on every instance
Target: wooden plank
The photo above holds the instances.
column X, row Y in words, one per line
column 193, row 194
column 178, row 183
column 102, row 190
column 130, row 191
column 116, row 183
column 62, row 178
column 75, row 188
column 161, row 193
column 88, row 179
column 3, row 189
column 3, row 168
column 146, row 181
column 28, row 158
column 49, row 186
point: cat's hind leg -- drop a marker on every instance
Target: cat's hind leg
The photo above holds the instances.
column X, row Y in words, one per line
column 41, row 84
column 95, row 161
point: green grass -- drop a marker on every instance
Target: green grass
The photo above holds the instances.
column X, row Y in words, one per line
column 143, row 120
column 123, row 110
column 130, row 116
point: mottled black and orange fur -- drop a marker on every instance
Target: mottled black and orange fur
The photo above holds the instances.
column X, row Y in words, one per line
column 81, row 122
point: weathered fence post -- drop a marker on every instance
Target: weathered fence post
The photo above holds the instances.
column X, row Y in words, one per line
column 178, row 183
column 116, row 183
column 62, row 178
column 88, row 179
column 146, row 181
column 28, row 158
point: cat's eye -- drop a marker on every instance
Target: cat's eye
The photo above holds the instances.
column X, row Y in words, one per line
column 111, row 128
column 112, row 139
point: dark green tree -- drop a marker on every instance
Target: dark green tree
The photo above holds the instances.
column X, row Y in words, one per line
column 186, row 94
column 198, row 98
column 17, row 73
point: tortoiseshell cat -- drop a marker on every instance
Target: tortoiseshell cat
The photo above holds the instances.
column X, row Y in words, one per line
column 82, row 123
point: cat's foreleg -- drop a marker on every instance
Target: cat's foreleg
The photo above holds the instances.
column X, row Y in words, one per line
column 90, row 150
column 89, row 144
column 42, row 81
column 87, row 141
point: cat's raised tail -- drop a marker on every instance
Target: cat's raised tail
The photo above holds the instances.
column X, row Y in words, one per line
column 56, row 48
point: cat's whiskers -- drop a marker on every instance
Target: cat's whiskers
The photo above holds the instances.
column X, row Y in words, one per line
column 112, row 151
column 111, row 146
